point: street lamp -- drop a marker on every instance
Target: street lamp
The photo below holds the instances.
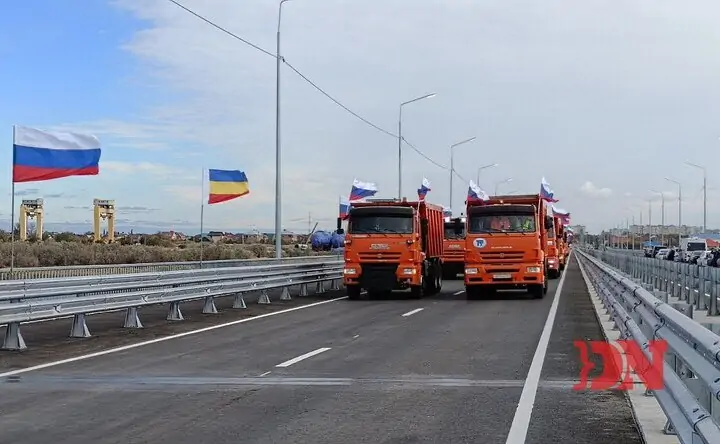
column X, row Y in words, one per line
column 452, row 165
column 400, row 139
column 704, row 193
column 679, row 185
column 482, row 168
column 662, row 215
column 509, row 179
column 278, row 183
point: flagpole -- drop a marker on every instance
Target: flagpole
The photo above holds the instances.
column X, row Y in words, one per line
column 202, row 213
column 12, row 209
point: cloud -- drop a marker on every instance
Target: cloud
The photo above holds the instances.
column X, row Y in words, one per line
column 589, row 189
column 550, row 90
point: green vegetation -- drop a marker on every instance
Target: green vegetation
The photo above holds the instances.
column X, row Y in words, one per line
column 64, row 249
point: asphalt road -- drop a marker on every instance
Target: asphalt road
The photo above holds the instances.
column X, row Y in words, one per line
column 437, row 370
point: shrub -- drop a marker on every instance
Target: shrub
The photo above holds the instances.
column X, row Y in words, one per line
column 61, row 253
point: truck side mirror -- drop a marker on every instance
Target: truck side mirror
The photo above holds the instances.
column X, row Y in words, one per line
column 548, row 222
column 339, row 226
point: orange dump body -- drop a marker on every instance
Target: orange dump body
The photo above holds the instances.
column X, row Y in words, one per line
column 505, row 243
column 392, row 244
column 453, row 257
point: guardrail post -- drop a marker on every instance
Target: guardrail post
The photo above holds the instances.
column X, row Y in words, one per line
column 662, row 295
column 303, row 290
column 79, row 327
column 239, row 301
column 335, row 285
column 174, row 312
column 209, row 306
column 13, row 338
column 285, row 295
column 684, row 308
column 132, row 320
column 264, row 298
column 320, row 287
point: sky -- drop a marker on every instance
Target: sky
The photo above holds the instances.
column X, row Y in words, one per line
column 603, row 99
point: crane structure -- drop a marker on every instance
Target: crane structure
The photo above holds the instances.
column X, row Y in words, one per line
column 31, row 209
column 104, row 209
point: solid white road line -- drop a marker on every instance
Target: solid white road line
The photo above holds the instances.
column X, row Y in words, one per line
column 303, row 357
column 165, row 338
column 523, row 413
column 458, row 292
column 265, row 374
column 412, row 312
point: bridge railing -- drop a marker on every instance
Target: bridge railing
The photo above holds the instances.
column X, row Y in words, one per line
column 102, row 270
column 44, row 299
column 690, row 392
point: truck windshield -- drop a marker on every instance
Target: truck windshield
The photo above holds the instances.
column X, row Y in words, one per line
column 501, row 223
column 379, row 223
column 450, row 231
column 696, row 246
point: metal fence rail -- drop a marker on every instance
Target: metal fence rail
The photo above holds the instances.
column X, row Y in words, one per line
column 43, row 299
column 681, row 280
column 101, row 270
column 691, row 370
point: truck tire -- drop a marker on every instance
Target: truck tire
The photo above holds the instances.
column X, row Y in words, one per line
column 553, row 274
column 537, row 291
column 353, row 292
column 416, row 291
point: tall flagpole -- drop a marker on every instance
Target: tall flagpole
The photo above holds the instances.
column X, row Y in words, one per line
column 12, row 210
column 202, row 213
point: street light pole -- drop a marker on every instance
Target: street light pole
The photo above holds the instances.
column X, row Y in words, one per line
column 400, row 139
column 278, row 175
column 662, row 215
column 679, row 206
column 704, row 193
column 482, row 168
column 452, row 165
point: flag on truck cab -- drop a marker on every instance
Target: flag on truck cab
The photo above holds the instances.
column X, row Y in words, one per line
column 344, row 207
column 476, row 193
column 546, row 192
column 362, row 190
column 424, row 188
column 227, row 185
column 563, row 215
column 42, row 155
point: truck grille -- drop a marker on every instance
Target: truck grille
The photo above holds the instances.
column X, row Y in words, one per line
column 502, row 257
column 378, row 277
column 456, row 255
column 379, row 256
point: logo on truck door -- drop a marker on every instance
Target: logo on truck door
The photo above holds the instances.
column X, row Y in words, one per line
column 480, row 243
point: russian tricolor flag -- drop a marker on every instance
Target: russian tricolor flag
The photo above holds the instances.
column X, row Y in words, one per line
column 476, row 193
column 344, row 207
column 424, row 188
column 563, row 215
column 41, row 155
column 546, row 192
column 361, row 190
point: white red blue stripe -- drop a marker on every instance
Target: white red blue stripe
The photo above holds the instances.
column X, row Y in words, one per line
column 424, row 188
column 362, row 190
column 42, row 155
column 476, row 193
column 546, row 193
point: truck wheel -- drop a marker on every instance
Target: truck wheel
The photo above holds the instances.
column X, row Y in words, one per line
column 537, row 291
column 353, row 292
column 553, row 274
column 416, row 291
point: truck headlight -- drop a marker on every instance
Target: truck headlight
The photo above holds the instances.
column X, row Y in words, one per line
column 350, row 271
column 533, row 269
column 471, row 271
column 551, row 261
column 409, row 271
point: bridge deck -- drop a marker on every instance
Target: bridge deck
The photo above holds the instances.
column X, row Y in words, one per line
column 452, row 372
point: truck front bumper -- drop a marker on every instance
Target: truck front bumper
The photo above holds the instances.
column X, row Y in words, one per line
column 509, row 276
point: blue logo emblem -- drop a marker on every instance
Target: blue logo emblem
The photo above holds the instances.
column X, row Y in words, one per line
column 480, row 243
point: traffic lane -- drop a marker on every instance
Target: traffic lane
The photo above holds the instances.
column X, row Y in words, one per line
column 450, row 337
column 577, row 416
column 48, row 341
column 261, row 415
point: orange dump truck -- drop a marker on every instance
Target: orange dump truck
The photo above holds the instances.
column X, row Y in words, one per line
column 552, row 251
column 453, row 257
column 562, row 245
column 505, row 245
column 393, row 245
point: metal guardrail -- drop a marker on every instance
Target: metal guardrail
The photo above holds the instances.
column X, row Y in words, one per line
column 102, row 270
column 691, row 369
column 43, row 299
column 681, row 280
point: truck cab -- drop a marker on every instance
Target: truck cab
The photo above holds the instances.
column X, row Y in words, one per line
column 453, row 257
column 505, row 245
column 393, row 245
